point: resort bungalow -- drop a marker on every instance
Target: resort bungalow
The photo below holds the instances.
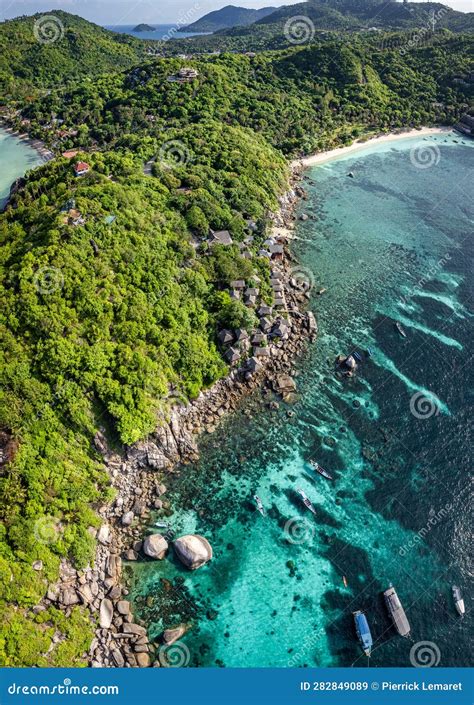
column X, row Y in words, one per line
column 276, row 252
column 253, row 365
column 81, row 168
column 221, row 237
column 259, row 339
column 280, row 330
column 265, row 325
column 225, row 337
column 241, row 335
column 237, row 284
column 232, row 356
column 184, row 75
column 261, row 352
column 251, row 300
column 236, row 294
column 264, row 310
column 70, row 153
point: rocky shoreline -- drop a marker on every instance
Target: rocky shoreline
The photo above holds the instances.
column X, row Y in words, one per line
column 138, row 474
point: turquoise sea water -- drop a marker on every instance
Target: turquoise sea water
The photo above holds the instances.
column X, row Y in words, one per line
column 393, row 243
column 161, row 30
column 16, row 157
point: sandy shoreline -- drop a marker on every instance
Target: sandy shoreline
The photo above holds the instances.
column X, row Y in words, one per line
column 358, row 145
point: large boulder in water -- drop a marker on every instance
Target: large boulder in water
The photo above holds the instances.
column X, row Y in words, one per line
column 193, row 550
column 155, row 546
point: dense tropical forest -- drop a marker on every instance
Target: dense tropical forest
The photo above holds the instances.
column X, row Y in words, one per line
column 111, row 297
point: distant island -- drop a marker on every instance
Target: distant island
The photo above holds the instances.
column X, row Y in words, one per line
column 144, row 28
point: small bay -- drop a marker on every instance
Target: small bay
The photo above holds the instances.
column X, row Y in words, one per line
column 16, row 158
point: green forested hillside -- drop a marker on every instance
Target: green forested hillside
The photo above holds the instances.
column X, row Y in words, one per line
column 29, row 59
column 110, row 296
column 298, row 99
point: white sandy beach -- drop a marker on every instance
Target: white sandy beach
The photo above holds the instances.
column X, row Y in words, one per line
column 320, row 157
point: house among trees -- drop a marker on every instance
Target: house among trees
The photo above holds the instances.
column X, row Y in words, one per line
column 276, row 252
column 81, row 168
column 184, row 75
column 221, row 237
column 225, row 337
column 70, row 153
column 232, row 356
column 237, row 284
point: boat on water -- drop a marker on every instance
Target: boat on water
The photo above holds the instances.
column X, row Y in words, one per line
column 400, row 329
column 162, row 525
column 458, row 601
column 396, row 611
column 344, row 580
column 260, row 506
column 321, row 470
column 363, row 631
column 307, row 503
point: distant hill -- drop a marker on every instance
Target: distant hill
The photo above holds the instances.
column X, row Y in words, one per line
column 335, row 14
column 49, row 48
column 228, row 16
column 338, row 15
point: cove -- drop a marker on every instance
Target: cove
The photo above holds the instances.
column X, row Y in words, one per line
column 16, row 158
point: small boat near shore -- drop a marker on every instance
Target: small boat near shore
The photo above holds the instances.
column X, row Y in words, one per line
column 458, row 601
column 363, row 631
column 320, row 469
column 400, row 329
column 307, row 503
column 260, row 506
column 396, row 611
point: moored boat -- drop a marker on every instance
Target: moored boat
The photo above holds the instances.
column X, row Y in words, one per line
column 363, row 631
column 306, row 501
column 400, row 329
column 396, row 611
column 321, row 470
column 260, row 506
column 458, row 601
